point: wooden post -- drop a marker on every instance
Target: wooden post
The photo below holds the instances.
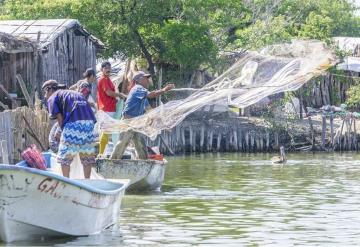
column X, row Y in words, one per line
column 340, row 136
column 5, row 153
column 240, row 145
column 202, row 137
column 190, row 138
column 252, row 142
column 35, row 79
column 276, row 140
column 218, row 142
column 332, row 130
column 5, row 107
column 14, row 103
column 312, row 135
column 25, row 91
column 166, row 145
column 355, row 136
column 13, row 71
column 300, row 103
column 235, row 144
column 194, row 141
column 323, row 132
column 159, row 84
column 247, row 140
column 183, row 139
column 210, row 143
column 178, row 138
column 349, row 125
column 227, row 141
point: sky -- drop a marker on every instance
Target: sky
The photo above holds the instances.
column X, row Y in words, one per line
column 357, row 2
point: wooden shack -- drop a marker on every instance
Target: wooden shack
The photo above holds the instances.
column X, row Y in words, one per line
column 16, row 56
column 64, row 51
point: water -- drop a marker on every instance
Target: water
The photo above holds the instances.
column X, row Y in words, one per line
column 239, row 199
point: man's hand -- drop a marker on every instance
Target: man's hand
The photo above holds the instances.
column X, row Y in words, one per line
column 122, row 96
column 169, row 87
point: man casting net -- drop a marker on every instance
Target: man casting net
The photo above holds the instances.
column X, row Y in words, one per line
column 256, row 75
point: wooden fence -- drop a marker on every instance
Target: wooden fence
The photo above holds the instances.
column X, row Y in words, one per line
column 19, row 128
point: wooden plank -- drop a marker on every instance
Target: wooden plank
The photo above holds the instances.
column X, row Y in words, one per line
column 25, row 91
column 8, row 95
column 13, row 71
column 4, row 151
column 323, row 132
column 35, row 70
column 5, row 107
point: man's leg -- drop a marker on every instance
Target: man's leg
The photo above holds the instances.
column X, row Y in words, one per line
column 65, row 164
column 140, row 146
column 65, row 170
column 121, row 146
column 64, row 156
column 87, row 160
column 104, row 139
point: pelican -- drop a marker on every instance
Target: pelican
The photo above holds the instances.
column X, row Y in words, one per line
column 279, row 159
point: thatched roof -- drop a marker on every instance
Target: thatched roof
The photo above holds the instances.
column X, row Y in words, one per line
column 11, row 44
column 50, row 30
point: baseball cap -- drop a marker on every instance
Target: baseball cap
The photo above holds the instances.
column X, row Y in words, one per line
column 139, row 75
column 53, row 84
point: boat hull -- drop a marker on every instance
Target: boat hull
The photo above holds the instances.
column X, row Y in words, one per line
column 36, row 204
column 144, row 175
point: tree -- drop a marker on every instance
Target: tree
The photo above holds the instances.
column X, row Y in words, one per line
column 188, row 33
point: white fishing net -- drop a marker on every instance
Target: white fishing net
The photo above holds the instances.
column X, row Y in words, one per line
column 256, row 75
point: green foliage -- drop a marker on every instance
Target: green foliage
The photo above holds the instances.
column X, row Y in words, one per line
column 187, row 45
column 353, row 96
column 188, row 34
column 275, row 21
column 263, row 33
column 317, row 27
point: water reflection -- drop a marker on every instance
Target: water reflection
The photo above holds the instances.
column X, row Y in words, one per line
column 241, row 199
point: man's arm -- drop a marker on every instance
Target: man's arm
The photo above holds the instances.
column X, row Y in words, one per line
column 154, row 94
column 115, row 94
column 60, row 119
column 75, row 86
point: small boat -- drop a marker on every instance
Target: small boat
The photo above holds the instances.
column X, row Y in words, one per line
column 279, row 159
column 144, row 175
column 38, row 203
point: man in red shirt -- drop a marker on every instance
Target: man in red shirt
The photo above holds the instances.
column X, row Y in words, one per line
column 106, row 98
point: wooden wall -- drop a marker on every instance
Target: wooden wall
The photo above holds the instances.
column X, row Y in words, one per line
column 67, row 58
column 12, row 64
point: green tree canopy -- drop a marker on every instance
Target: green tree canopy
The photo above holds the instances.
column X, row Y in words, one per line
column 189, row 33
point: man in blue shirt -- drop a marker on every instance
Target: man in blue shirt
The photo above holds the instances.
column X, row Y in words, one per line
column 136, row 105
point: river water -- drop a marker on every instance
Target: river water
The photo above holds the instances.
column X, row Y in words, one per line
column 241, row 199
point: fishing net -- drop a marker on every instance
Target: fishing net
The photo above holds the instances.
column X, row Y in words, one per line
column 256, row 75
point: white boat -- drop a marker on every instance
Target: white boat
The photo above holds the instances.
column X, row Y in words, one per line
column 144, row 175
column 36, row 203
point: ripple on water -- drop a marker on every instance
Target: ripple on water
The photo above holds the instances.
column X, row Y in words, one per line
column 242, row 200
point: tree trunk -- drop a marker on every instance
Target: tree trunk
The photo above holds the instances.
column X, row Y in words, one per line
column 145, row 51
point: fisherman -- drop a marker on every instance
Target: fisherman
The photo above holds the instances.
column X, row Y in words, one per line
column 106, row 99
column 136, row 105
column 85, row 88
column 86, row 85
column 76, row 121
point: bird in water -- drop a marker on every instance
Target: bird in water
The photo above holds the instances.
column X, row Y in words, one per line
column 279, row 159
